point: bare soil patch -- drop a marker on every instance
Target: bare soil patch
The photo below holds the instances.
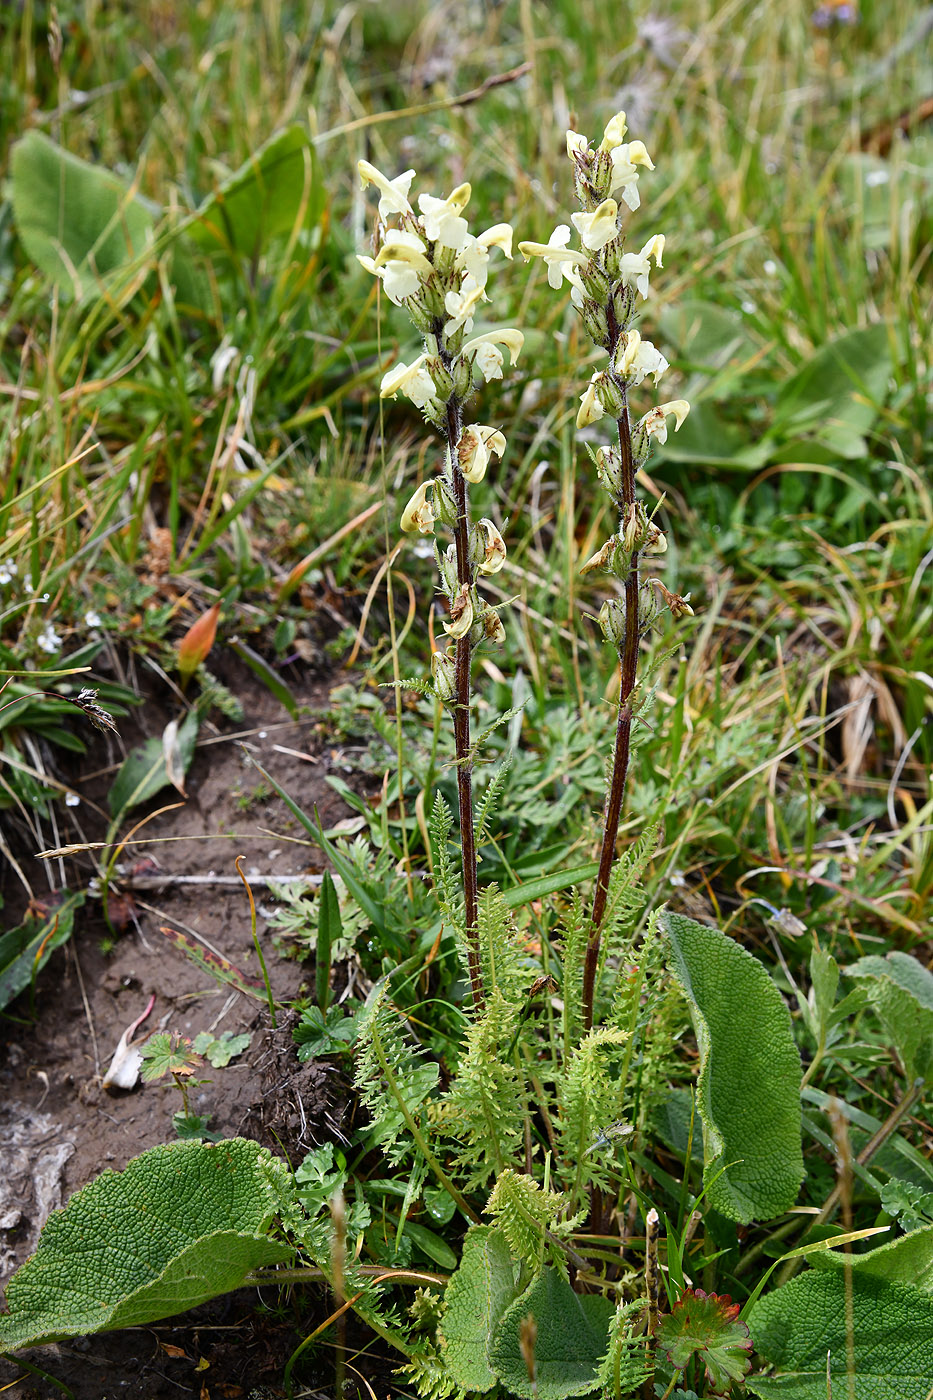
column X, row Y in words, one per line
column 59, row 1128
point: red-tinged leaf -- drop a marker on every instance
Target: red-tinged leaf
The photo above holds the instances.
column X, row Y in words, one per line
column 197, row 642
column 217, row 967
column 707, row 1325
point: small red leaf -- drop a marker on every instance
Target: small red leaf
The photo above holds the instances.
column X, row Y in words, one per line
column 197, row 642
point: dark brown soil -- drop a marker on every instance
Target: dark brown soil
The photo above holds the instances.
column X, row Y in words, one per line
column 59, row 1128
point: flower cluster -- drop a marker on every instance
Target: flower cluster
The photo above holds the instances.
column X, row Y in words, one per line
column 606, row 283
column 430, row 264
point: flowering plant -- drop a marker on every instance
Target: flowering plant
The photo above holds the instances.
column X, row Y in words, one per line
column 432, row 265
column 606, row 283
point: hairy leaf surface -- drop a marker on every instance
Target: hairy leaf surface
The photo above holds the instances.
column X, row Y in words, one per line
column 797, row 1326
column 748, row 1092
column 183, row 1223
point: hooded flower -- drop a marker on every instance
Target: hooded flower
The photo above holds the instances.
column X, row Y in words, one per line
column 557, row 256
column 401, row 264
column 412, row 380
column 418, row 515
column 494, row 546
column 654, row 423
column 441, row 218
column 614, row 133
column 590, row 410
column 477, row 443
column 638, row 359
column 489, row 358
column 635, row 267
column 393, row 193
column 625, row 162
column 600, row 227
column 461, row 613
column 461, row 305
column 474, row 256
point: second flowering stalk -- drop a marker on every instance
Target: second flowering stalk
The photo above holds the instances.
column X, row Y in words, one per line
column 605, row 285
column 432, row 265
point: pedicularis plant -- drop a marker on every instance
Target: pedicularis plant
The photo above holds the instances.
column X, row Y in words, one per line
column 567, row 1109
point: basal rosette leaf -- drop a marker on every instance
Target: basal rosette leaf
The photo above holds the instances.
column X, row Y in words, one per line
column 182, row 1223
column 748, row 1091
column 707, row 1325
column 824, row 1329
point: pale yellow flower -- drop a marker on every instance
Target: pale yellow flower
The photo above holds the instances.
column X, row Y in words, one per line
column 418, row 515
column 412, row 380
column 393, row 193
column 555, row 254
column 461, row 613
column 600, row 227
column 495, row 548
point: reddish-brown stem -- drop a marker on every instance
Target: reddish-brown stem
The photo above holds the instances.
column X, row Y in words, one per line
column 461, row 708
column 628, row 662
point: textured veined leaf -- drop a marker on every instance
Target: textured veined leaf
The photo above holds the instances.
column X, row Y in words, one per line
column 748, row 1091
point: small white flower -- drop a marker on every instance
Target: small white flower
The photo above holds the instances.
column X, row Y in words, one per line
column 635, row 267
column 412, row 380
column 48, row 640
column 28, row 584
column 72, row 799
column 639, row 359
column 474, row 257
column 461, row 305
column 769, row 267
column 625, row 162
column 557, row 256
column 92, row 619
column 600, row 227
column 7, row 571
column 394, row 193
column 441, row 218
column 876, row 177
column 654, row 423
column 489, row 358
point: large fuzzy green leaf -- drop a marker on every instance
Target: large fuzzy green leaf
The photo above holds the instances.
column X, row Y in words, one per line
column 275, row 189
column 79, row 223
column 908, row 1259
column 748, row 1092
column 839, row 391
column 901, row 991
column 570, row 1339
column 891, row 1334
column 475, row 1299
column 183, row 1223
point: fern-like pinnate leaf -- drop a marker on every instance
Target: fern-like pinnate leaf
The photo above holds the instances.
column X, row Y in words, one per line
column 530, row 1219
column 575, row 927
column 446, row 880
column 626, row 898
column 592, row 1095
column 393, row 1076
column 484, row 1111
column 623, row 1368
column 505, row 966
column 490, row 798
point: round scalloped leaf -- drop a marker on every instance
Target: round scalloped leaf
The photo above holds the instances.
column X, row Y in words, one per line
column 748, row 1091
column 707, row 1325
column 181, row 1224
column 571, row 1339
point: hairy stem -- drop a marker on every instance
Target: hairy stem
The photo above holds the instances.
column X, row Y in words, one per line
column 461, row 706
column 628, row 662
